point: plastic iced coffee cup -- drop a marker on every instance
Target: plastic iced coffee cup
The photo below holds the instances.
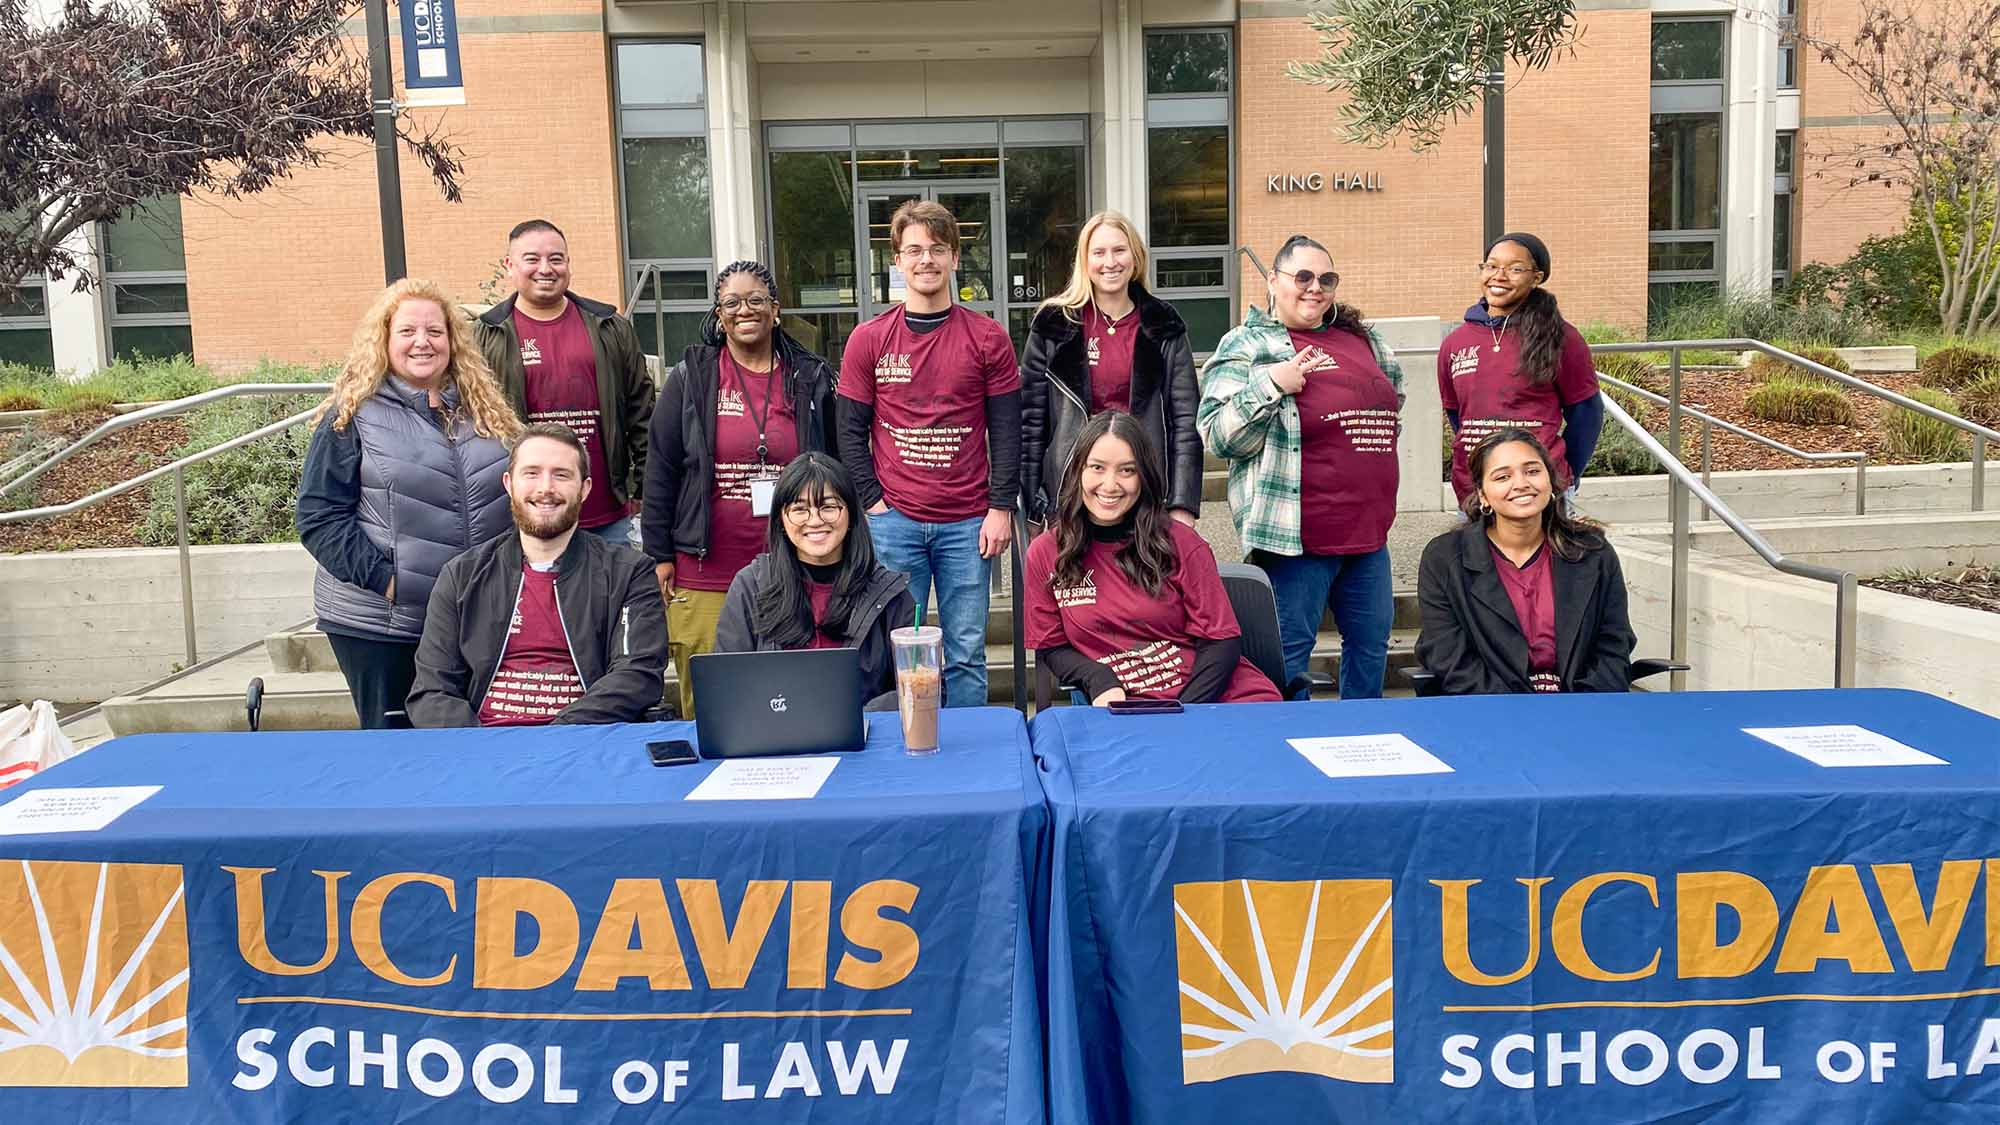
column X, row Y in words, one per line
column 919, row 684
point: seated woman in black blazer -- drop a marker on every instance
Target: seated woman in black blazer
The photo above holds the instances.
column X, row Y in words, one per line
column 817, row 585
column 1526, row 596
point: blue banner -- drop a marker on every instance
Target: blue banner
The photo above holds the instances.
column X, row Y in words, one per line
column 1611, row 909
column 431, row 74
column 447, row 924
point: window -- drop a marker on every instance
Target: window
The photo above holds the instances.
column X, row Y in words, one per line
column 1188, row 158
column 1684, row 163
column 1783, row 189
column 1788, row 47
column 145, row 281
column 664, row 176
column 24, row 326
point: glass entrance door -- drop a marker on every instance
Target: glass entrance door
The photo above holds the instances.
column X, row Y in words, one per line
column 975, row 206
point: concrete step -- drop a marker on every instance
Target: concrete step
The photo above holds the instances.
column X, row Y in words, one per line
column 212, row 700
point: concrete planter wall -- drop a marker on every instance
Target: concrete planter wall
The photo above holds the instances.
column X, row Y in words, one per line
column 1751, row 628
column 86, row 625
column 1791, row 493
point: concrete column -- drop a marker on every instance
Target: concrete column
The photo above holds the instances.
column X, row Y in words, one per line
column 1750, row 125
column 78, row 325
column 1420, row 451
column 731, row 133
column 1118, row 117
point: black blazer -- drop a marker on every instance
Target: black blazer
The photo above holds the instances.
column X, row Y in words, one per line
column 1055, row 398
column 1473, row 642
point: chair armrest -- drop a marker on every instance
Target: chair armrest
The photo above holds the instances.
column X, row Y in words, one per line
column 1425, row 684
column 1652, row 666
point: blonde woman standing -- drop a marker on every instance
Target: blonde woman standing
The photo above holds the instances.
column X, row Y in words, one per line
column 402, row 474
column 1105, row 343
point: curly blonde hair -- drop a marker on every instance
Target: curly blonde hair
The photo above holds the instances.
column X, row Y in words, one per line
column 367, row 364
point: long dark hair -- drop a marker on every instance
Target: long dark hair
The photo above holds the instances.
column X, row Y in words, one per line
column 1148, row 558
column 1343, row 316
column 782, row 611
column 1568, row 534
column 1539, row 322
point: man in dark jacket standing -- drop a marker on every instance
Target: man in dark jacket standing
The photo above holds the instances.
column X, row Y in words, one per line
column 543, row 626
column 568, row 359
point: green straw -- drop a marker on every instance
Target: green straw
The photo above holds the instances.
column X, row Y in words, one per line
column 918, row 623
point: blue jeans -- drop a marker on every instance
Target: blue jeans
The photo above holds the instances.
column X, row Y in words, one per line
column 623, row 532
column 1364, row 607
column 947, row 553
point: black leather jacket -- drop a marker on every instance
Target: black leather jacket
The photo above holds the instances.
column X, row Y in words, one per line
column 1055, row 397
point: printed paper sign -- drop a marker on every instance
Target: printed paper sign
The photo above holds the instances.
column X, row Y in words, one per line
column 765, row 779
column 1843, row 744
column 1368, row 755
column 70, row 810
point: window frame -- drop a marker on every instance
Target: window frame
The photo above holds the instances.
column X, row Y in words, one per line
column 635, row 267
column 114, row 319
column 1692, row 98
column 1231, row 268
column 37, row 323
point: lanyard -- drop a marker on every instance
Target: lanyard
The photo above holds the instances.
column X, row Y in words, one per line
column 763, row 417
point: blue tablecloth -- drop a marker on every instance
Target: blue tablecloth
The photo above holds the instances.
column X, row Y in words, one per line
column 532, row 920
column 1719, row 930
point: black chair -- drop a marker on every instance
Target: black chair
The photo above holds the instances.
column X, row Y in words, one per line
column 1256, row 609
column 1426, row 683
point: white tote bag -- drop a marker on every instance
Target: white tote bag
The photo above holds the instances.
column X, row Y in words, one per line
column 30, row 741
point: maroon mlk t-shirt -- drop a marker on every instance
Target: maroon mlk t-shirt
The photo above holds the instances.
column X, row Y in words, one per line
column 1479, row 375
column 821, row 593
column 735, row 534
column 1107, row 358
column 1531, row 589
column 537, row 676
column 1347, row 431
column 1147, row 639
column 560, row 378
column 929, row 392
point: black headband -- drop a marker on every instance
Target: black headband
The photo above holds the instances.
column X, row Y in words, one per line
column 1528, row 242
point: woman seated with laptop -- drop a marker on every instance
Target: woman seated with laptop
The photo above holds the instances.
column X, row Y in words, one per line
column 1122, row 599
column 1525, row 597
column 817, row 584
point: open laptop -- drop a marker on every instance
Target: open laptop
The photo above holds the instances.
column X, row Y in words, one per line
column 756, row 704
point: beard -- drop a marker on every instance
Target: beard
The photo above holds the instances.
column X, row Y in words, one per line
column 554, row 526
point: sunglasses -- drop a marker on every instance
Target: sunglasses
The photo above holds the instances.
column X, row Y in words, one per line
column 1305, row 278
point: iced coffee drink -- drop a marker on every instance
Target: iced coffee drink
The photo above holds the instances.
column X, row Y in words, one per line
column 919, row 684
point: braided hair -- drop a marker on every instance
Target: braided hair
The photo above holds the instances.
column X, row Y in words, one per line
column 711, row 325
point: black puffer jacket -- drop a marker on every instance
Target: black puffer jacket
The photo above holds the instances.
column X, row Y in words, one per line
column 1055, row 397
column 680, row 465
column 886, row 605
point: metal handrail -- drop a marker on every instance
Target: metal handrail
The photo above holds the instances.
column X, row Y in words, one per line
column 1709, row 422
column 178, row 469
column 652, row 272
column 161, row 410
column 1980, row 434
column 1684, row 482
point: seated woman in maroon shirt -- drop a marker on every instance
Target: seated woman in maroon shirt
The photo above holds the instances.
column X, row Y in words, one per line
column 1526, row 596
column 817, row 584
column 1121, row 598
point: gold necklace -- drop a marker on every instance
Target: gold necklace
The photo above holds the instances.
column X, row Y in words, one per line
column 1500, row 335
column 1110, row 325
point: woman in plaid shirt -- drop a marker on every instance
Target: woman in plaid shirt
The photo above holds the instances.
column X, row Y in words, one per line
column 1302, row 401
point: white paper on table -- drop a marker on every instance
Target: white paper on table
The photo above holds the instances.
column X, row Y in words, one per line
column 1368, row 755
column 70, row 810
column 1843, row 744
column 765, row 779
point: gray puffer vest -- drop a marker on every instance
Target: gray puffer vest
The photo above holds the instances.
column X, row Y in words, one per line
column 426, row 496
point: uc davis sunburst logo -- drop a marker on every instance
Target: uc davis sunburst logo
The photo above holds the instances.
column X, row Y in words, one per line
column 1285, row 977
column 93, row 974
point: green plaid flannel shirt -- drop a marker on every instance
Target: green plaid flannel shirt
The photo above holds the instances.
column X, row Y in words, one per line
column 1245, row 420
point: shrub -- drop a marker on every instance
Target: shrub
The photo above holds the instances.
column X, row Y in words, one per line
column 1912, row 436
column 1619, row 454
column 1629, row 367
column 1956, row 368
column 247, row 495
column 14, row 396
column 1760, row 316
column 1799, row 402
column 1763, row 368
column 1980, row 402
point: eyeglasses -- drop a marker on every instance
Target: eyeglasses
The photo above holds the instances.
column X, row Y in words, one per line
column 755, row 302
column 798, row 511
column 1304, row 279
column 1513, row 272
column 937, row 253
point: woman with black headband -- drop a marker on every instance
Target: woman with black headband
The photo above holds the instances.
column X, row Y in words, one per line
column 736, row 409
column 1516, row 362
